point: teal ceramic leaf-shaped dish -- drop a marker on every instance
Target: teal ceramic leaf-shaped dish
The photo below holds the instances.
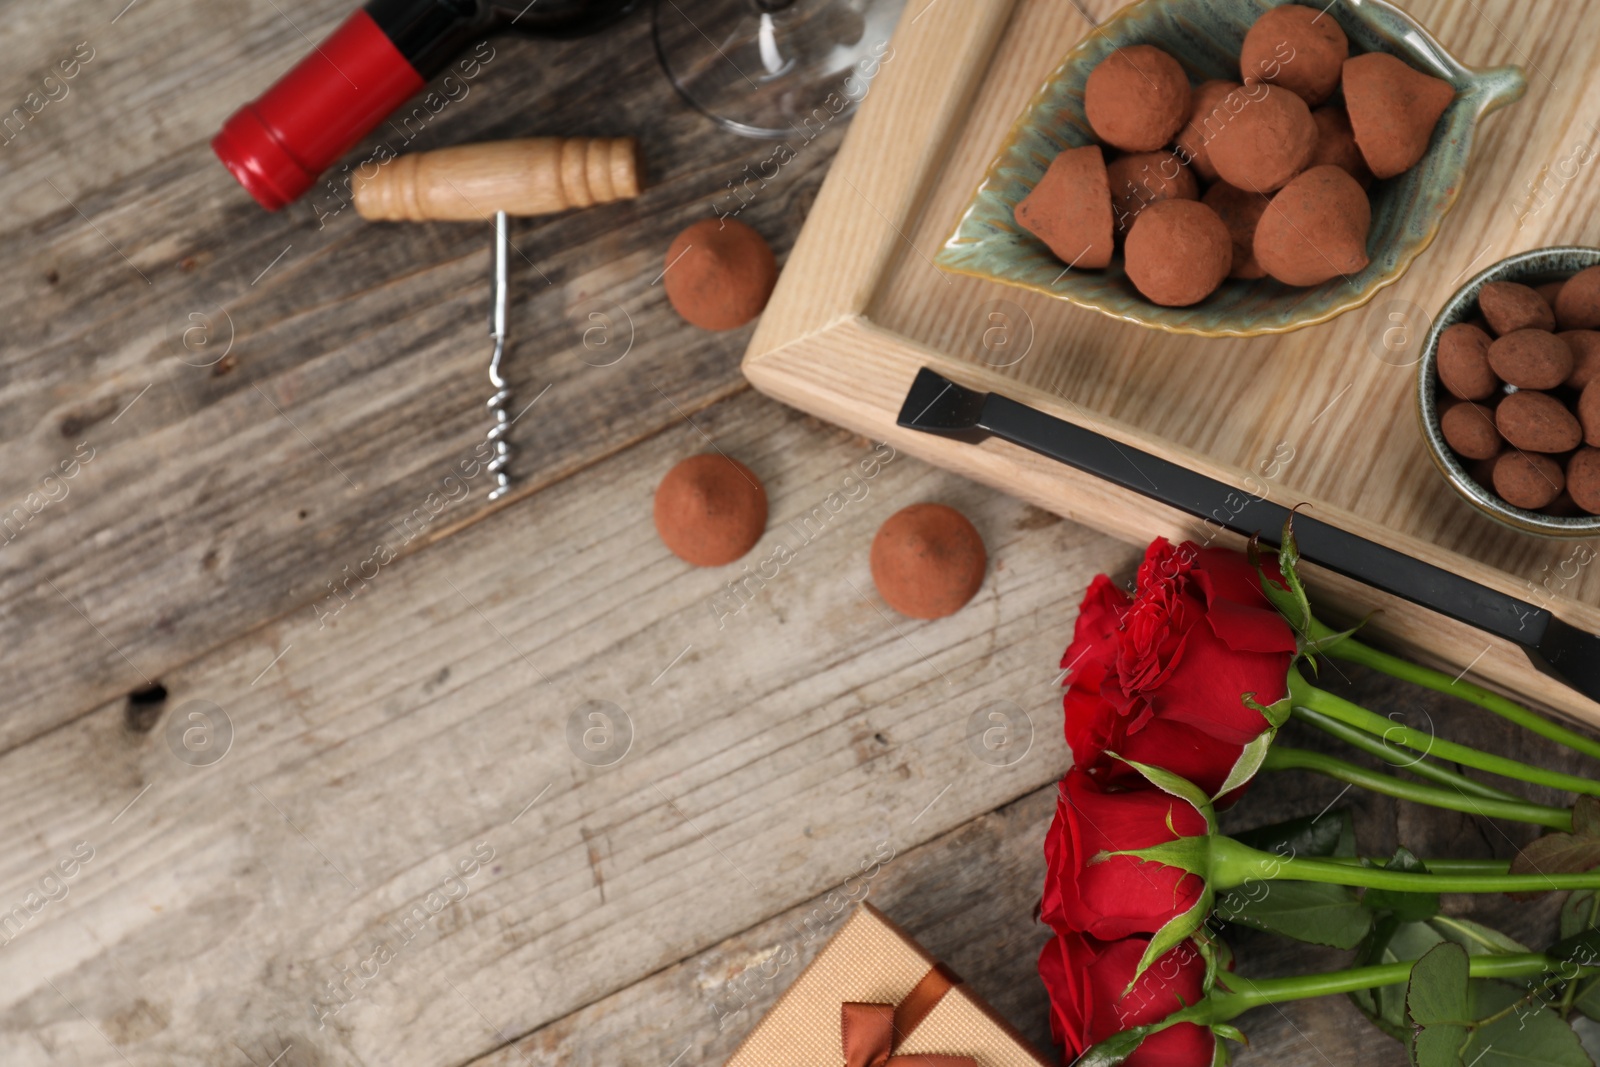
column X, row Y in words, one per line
column 1205, row 37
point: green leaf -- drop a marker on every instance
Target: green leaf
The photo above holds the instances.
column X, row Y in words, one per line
column 1476, row 938
column 1175, row 785
column 1531, row 1036
column 1586, row 816
column 1437, row 1005
column 1330, row 834
column 1578, row 912
column 1582, row 948
column 1248, row 763
column 1406, row 907
column 1556, row 853
column 1115, row 1049
column 1305, row 911
column 1588, row 998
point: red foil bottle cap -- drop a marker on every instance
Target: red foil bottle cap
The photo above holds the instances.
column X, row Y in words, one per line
column 279, row 145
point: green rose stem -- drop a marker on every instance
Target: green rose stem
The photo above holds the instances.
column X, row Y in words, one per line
column 1284, row 758
column 1353, row 651
column 1302, row 693
column 1230, row 863
column 1402, row 758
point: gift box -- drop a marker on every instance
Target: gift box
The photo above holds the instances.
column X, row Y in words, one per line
column 874, row 998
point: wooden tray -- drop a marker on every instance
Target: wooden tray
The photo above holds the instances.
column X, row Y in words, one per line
column 1323, row 416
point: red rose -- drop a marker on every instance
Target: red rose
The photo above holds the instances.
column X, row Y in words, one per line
column 1086, row 978
column 1121, row 895
column 1161, row 677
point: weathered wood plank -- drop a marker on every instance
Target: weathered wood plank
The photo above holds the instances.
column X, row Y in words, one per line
column 224, row 491
column 769, row 755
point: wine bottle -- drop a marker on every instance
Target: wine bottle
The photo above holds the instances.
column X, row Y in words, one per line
column 278, row 145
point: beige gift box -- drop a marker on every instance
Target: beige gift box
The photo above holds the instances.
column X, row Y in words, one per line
column 872, row 961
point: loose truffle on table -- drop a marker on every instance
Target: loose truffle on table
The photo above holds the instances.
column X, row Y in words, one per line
column 1463, row 362
column 1393, row 110
column 1137, row 98
column 927, row 561
column 1070, row 208
column 1144, row 178
column 1469, row 429
column 1537, row 422
column 1585, row 346
column 1299, row 48
column 1528, row 480
column 710, row 510
column 1315, row 228
column 1508, row 306
column 1531, row 359
column 719, row 274
column 1208, row 112
column 1178, row 252
column 1578, row 303
column 1583, row 479
column 1269, row 140
column 1336, row 144
column 1240, row 212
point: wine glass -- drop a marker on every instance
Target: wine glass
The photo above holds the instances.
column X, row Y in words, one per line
column 774, row 68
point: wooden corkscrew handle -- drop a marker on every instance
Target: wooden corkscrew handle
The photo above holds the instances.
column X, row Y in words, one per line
column 532, row 176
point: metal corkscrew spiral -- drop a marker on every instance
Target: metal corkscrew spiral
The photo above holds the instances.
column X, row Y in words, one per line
column 502, row 397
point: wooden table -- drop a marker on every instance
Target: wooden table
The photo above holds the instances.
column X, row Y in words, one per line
column 275, row 681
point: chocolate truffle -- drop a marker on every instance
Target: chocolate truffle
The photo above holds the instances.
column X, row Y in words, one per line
column 1537, row 422
column 1336, row 144
column 1578, row 303
column 927, row 561
column 1269, row 141
column 1137, row 98
column 1589, row 413
column 710, row 510
column 1315, row 228
column 1178, row 252
column 1531, row 359
column 1144, row 178
column 1299, row 48
column 1528, row 481
column 1469, row 429
column 1583, row 479
column 1463, row 362
column 1509, row 306
column 1393, row 110
column 1207, row 114
column 1549, row 291
column 1585, row 345
column 1239, row 211
column 1070, row 208
column 719, row 274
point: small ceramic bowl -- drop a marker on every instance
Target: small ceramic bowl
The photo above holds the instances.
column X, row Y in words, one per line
column 1529, row 268
column 1205, row 37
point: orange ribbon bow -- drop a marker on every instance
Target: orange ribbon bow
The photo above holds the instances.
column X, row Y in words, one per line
column 871, row 1032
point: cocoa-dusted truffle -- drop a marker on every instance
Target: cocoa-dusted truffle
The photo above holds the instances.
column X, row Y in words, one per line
column 1589, row 413
column 1299, row 48
column 1578, row 303
column 1531, row 359
column 1528, row 480
column 710, row 510
column 1469, row 429
column 1315, row 228
column 1393, row 110
column 1549, row 291
column 1537, row 422
column 1509, row 306
column 1070, row 208
column 1240, row 212
column 1583, row 479
column 1463, row 362
column 1269, row 141
column 1144, row 178
column 1137, row 98
column 1209, row 109
column 1336, row 144
column 927, row 561
column 1585, row 346
column 719, row 274
column 1178, row 252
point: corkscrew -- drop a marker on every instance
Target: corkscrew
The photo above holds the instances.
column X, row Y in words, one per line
column 534, row 176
